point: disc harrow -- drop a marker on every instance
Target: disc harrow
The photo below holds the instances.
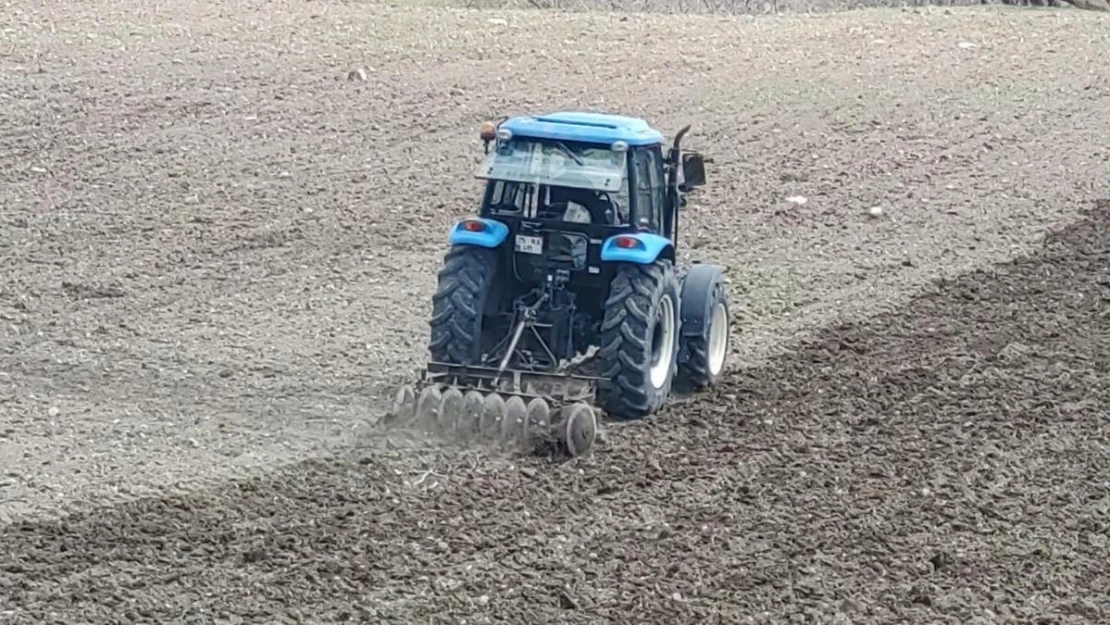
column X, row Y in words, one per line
column 536, row 413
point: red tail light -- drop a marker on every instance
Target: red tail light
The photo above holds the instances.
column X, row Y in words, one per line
column 627, row 243
column 473, row 225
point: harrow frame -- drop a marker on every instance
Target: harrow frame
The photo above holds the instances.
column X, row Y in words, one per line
column 561, row 388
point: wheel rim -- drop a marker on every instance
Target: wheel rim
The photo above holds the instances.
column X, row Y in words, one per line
column 718, row 338
column 662, row 345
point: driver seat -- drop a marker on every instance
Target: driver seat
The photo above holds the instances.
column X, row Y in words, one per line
column 600, row 211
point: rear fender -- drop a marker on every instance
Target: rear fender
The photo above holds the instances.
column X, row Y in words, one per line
column 699, row 289
column 492, row 234
column 650, row 247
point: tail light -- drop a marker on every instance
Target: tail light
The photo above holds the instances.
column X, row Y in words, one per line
column 627, row 243
column 473, row 225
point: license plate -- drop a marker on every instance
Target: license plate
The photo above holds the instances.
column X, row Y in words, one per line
column 529, row 245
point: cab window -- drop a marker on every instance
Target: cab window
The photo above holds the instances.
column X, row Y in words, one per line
column 658, row 184
column 650, row 186
column 645, row 215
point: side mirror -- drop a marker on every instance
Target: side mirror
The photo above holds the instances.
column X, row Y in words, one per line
column 693, row 169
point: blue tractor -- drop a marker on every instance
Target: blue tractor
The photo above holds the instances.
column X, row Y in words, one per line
column 562, row 297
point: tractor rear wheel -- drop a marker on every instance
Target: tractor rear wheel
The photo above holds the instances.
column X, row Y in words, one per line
column 639, row 340
column 466, row 284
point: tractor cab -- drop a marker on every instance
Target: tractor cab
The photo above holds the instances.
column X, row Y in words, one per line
column 591, row 169
column 576, row 190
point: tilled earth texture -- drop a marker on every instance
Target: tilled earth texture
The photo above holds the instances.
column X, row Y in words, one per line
column 220, row 224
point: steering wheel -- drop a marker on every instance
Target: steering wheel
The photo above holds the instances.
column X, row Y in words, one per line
column 555, row 210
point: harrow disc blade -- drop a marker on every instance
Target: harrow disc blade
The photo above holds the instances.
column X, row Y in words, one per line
column 471, row 421
column 512, row 425
column 537, row 423
column 493, row 413
column 427, row 408
column 404, row 405
column 579, row 428
column 450, row 410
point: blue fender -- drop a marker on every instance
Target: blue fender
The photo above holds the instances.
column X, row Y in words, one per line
column 492, row 234
column 649, row 247
column 701, row 287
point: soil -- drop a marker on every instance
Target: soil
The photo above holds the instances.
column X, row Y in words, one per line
column 219, row 246
column 945, row 463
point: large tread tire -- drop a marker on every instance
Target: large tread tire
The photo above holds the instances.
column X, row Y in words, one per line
column 632, row 311
column 696, row 374
column 466, row 283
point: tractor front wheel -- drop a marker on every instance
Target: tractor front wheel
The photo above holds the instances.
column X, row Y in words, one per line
column 639, row 340
column 705, row 327
column 466, row 282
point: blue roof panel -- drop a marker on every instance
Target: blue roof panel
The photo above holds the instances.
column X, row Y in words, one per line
column 585, row 127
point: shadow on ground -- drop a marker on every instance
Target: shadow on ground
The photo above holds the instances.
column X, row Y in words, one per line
column 945, row 464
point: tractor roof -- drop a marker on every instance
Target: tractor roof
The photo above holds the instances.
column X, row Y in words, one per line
column 585, row 127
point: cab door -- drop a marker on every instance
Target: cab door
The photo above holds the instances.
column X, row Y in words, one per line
column 650, row 189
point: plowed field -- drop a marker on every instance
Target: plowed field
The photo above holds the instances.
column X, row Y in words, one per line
column 219, row 246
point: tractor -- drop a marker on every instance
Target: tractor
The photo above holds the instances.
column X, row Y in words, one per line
column 561, row 298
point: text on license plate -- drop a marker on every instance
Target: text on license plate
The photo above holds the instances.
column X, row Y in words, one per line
column 529, row 245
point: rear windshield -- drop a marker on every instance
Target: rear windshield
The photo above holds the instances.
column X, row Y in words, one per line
column 555, row 163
